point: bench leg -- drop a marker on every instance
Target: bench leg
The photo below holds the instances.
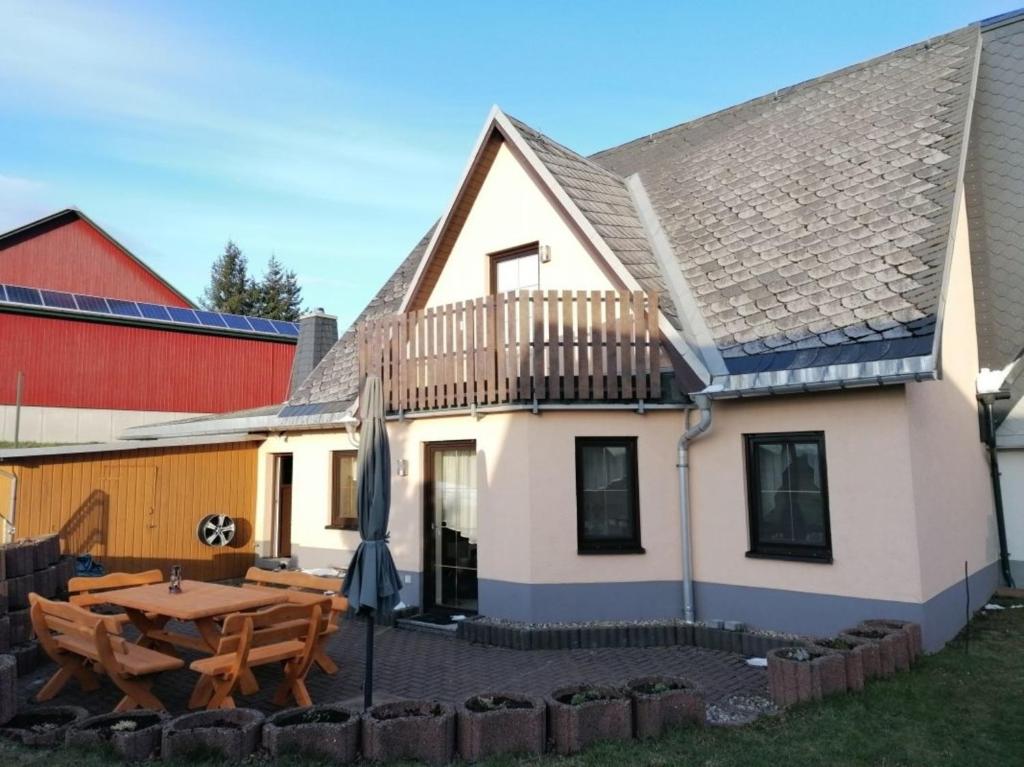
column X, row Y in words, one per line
column 201, row 694
column 70, row 668
column 221, row 697
column 323, row 660
column 295, row 688
column 136, row 695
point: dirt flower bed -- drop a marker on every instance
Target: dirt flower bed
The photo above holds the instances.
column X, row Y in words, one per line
column 661, row 702
column 501, row 723
column 133, row 735
column 325, row 732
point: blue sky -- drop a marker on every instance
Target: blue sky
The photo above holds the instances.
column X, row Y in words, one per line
column 333, row 133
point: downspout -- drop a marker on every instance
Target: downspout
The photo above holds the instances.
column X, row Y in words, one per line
column 683, row 465
column 997, row 488
column 8, row 519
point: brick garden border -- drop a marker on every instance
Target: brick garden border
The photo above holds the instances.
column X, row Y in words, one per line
column 669, row 633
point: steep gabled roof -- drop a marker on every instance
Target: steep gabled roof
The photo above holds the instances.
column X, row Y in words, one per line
column 807, row 229
column 334, row 383
column 819, row 216
column 68, row 215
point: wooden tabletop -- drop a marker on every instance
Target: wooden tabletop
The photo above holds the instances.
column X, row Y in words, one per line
column 197, row 599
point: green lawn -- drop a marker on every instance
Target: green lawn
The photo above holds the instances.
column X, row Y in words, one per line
column 963, row 706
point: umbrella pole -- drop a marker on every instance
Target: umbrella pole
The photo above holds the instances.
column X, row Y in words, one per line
column 368, row 680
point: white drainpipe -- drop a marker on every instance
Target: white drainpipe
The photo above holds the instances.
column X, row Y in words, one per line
column 683, row 465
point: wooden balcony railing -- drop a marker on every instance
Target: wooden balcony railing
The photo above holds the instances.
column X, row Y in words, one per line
column 517, row 347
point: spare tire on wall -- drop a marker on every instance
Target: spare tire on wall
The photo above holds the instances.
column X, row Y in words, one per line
column 216, row 530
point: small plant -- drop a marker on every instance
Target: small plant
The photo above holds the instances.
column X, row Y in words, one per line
column 837, row 643
column 125, row 725
column 44, row 727
column 584, row 696
column 482, row 703
column 797, row 654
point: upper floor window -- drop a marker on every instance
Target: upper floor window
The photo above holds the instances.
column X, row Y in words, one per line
column 343, row 490
column 517, row 269
column 788, row 496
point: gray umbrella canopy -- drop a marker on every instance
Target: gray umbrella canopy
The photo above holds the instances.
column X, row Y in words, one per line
column 372, row 582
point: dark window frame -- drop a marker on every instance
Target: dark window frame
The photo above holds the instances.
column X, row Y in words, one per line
column 508, row 254
column 336, row 522
column 630, row 545
column 821, row 553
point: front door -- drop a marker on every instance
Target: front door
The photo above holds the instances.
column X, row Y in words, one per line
column 450, row 525
column 283, row 504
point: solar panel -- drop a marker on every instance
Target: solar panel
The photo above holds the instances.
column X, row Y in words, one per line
column 124, row 308
column 173, row 315
column 92, row 304
column 24, row 295
column 186, row 316
column 58, row 299
column 261, row 325
column 236, row 321
column 213, row 319
column 154, row 312
column 285, row 328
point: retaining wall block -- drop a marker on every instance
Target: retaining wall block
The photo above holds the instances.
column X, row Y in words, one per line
column 46, row 582
column 5, row 633
column 329, row 733
column 19, row 558
column 684, row 634
column 507, row 730
column 573, row 727
column 8, row 688
column 654, row 710
column 42, row 725
column 233, row 734
column 65, row 572
column 20, row 622
column 915, row 646
column 795, row 681
column 890, row 644
column 18, row 590
column 4, row 604
column 853, row 657
column 45, row 550
column 133, row 735
column 27, row 657
column 418, row 730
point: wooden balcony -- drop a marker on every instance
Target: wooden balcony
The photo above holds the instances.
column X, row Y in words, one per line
column 598, row 346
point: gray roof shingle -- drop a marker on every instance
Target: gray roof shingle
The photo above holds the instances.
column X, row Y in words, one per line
column 812, row 219
column 995, row 195
column 818, row 215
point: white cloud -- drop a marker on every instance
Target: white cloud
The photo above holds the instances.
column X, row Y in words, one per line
column 167, row 97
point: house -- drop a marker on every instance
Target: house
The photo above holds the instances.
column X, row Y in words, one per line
column 727, row 370
column 94, row 341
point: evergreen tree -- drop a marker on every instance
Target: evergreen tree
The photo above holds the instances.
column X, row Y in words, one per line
column 230, row 289
column 278, row 295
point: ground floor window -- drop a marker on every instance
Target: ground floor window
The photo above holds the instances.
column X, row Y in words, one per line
column 607, row 498
column 788, row 496
column 343, row 490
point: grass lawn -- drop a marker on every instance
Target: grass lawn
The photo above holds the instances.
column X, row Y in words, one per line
column 963, row 706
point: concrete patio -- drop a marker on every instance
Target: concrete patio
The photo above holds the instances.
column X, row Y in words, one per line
column 412, row 664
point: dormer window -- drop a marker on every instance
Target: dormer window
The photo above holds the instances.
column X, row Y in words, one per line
column 516, row 269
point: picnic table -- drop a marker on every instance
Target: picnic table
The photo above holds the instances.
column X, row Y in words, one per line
column 151, row 607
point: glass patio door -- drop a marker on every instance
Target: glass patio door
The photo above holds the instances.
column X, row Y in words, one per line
column 453, row 525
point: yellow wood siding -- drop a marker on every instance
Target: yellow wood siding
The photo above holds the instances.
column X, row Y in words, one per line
column 138, row 510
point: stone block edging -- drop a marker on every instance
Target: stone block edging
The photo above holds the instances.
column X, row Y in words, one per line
column 573, row 636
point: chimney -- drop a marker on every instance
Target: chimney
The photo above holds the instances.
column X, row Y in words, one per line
column 318, row 332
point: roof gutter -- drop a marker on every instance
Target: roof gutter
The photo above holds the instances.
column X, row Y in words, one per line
column 806, row 387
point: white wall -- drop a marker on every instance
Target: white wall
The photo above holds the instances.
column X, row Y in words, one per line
column 68, row 425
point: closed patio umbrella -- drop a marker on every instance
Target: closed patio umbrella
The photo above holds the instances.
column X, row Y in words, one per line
column 372, row 582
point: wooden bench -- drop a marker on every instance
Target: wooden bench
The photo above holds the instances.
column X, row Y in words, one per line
column 81, row 642
column 284, row 634
column 306, row 589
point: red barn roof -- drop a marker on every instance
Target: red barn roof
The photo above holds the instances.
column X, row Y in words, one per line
column 68, row 251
